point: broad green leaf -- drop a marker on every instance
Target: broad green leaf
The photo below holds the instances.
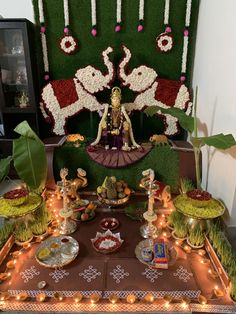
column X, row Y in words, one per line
column 186, row 122
column 30, row 158
column 25, row 130
column 220, row 141
column 4, row 167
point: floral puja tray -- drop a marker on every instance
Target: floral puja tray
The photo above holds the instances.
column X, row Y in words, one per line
column 57, row 251
column 107, row 242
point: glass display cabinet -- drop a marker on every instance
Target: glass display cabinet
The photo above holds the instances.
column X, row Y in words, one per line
column 18, row 82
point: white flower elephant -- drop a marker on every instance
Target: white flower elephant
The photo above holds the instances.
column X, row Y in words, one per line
column 64, row 98
column 153, row 91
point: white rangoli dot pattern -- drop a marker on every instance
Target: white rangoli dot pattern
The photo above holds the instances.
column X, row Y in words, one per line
column 183, row 274
column 90, row 273
column 29, row 273
column 58, row 274
column 118, row 273
column 151, row 274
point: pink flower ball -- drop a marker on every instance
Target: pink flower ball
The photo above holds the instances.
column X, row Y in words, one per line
column 42, row 29
column 168, row 29
column 182, row 78
column 186, row 33
column 117, row 28
column 66, row 30
column 46, row 77
column 140, row 28
column 94, row 32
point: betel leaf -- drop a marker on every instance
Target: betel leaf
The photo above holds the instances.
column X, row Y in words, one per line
column 186, row 122
column 30, row 157
column 4, row 167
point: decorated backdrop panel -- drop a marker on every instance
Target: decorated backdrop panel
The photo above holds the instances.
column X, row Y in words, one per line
column 141, row 44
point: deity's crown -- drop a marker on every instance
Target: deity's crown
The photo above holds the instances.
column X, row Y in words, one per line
column 116, row 92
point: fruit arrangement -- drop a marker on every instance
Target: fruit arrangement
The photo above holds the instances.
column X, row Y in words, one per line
column 16, row 197
column 199, row 198
column 113, row 191
column 84, row 213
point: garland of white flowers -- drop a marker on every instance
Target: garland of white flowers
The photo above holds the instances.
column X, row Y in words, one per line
column 164, row 41
column 186, row 40
column 68, row 44
column 118, row 16
column 94, row 18
column 141, row 16
column 43, row 40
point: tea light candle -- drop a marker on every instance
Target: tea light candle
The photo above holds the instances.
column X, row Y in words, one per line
column 94, row 298
column 201, row 252
column 149, row 298
column 113, row 298
column 77, row 297
column 202, row 300
column 22, row 296
column 41, row 297
column 16, row 254
column 58, row 296
column 187, row 249
column 131, row 298
column 218, row 292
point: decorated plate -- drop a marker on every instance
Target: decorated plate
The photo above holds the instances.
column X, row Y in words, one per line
column 107, row 242
column 109, row 223
column 148, row 243
column 57, row 251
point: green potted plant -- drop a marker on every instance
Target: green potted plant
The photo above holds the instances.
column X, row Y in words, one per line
column 174, row 218
column 22, row 233
column 39, row 228
column 180, row 230
column 196, row 237
column 5, row 231
column 233, row 289
column 185, row 185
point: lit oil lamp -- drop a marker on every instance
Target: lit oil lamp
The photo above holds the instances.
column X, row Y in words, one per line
column 11, row 264
column 4, row 296
column 201, row 252
column 131, row 298
column 219, row 293
column 58, row 296
column 77, row 297
column 187, row 249
column 4, row 276
column 41, row 297
column 202, row 300
column 149, row 298
column 94, row 298
column 22, row 296
column 113, row 298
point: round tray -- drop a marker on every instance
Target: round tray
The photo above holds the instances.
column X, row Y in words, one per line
column 74, row 217
column 213, row 210
column 172, row 253
column 109, row 223
column 33, row 202
column 108, row 235
column 63, row 250
column 114, row 202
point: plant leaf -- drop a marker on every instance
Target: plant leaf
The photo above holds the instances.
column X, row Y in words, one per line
column 186, row 122
column 30, row 158
column 220, row 141
column 4, row 167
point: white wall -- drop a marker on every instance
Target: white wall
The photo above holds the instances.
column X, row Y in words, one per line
column 17, row 9
column 215, row 75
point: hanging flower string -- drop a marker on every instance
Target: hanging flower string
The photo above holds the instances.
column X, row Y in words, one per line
column 43, row 40
column 94, row 18
column 164, row 42
column 141, row 16
column 68, row 44
column 186, row 40
column 118, row 16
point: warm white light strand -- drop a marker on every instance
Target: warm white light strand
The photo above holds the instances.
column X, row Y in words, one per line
column 118, row 11
column 141, row 9
column 188, row 13
column 167, row 10
column 66, row 12
column 94, row 14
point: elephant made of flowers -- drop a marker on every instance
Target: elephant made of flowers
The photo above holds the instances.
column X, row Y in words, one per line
column 61, row 99
column 153, row 91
